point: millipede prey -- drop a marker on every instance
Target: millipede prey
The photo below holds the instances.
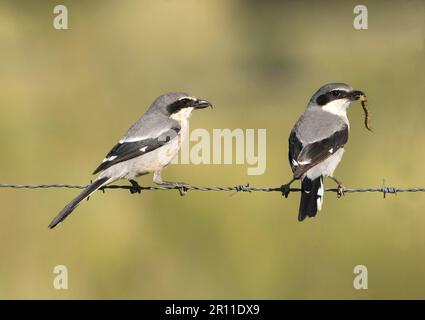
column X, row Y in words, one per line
column 363, row 102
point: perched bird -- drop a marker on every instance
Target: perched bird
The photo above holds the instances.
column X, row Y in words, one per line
column 147, row 147
column 316, row 144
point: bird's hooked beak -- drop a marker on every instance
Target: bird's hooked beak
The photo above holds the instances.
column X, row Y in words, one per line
column 201, row 104
column 356, row 95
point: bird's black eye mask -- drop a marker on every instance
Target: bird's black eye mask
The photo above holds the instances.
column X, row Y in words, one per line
column 176, row 106
column 331, row 96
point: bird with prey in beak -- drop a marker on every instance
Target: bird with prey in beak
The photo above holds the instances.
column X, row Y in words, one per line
column 147, row 147
column 316, row 144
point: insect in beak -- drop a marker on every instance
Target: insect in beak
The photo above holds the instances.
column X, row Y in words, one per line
column 363, row 102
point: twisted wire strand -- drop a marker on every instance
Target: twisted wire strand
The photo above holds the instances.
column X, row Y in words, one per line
column 238, row 188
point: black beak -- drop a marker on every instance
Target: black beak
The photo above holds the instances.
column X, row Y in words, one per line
column 201, row 104
column 356, row 94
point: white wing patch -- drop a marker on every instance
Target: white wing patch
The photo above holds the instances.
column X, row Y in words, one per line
column 143, row 149
column 135, row 139
column 295, row 163
column 109, row 159
column 304, row 162
column 331, row 150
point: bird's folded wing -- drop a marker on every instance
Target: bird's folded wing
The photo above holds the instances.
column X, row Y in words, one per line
column 123, row 150
column 312, row 154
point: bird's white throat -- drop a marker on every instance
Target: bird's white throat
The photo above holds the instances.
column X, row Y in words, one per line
column 183, row 114
column 338, row 107
column 183, row 119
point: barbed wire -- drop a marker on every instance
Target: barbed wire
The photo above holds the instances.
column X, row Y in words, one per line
column 183, row 188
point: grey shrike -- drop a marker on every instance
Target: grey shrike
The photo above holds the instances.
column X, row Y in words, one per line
column 316, row 144
column 147, row 147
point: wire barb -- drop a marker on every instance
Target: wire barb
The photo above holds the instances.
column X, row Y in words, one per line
column 386, row 190
column 243, row 188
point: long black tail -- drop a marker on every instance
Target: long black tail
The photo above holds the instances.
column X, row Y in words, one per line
column 74, row 203
column 311, row 197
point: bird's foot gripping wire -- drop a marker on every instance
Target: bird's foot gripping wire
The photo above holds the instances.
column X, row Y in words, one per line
column 135, row 187
column 183, row 187
column 340, row 191
column 286, row 188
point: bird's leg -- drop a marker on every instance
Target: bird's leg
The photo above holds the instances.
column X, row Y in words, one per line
column 181, row 186
column 341, row 189
column 135, row 187
column 286, row 188
column 157, row 178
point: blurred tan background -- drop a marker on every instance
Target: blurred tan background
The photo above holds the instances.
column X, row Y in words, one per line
column 68, row 95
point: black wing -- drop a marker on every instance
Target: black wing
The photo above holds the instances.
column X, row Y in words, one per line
column 304, row 157
column 295, row 147
column 129, row 150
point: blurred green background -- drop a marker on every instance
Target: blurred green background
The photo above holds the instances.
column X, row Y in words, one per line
column 68, row 95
